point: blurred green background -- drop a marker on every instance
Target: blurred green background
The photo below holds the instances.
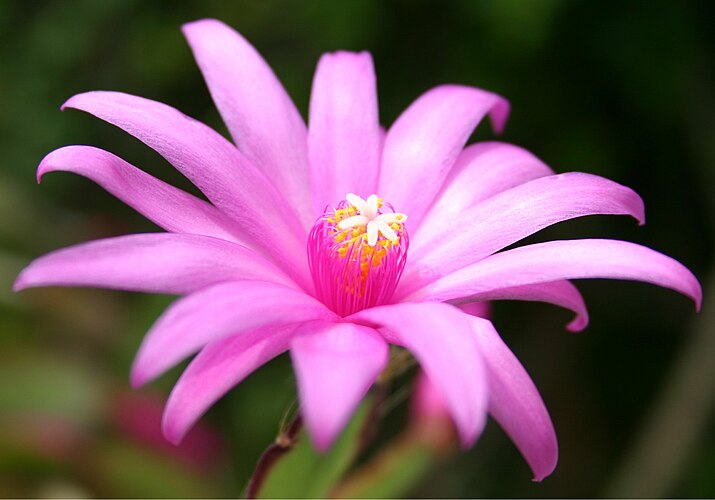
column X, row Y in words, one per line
column 623, row 89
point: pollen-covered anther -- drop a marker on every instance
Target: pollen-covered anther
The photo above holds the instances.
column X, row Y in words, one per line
column 368, row 217
column 357, row 253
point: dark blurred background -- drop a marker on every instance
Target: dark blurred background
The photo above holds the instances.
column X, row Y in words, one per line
column 624, row 89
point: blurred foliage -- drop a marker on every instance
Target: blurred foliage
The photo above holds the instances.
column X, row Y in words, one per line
column 293, row 469
column 617, row 88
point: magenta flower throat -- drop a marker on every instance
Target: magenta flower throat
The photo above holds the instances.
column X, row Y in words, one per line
column 356, row 254
column 336, row 239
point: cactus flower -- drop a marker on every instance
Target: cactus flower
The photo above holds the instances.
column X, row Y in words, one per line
column 334, row 239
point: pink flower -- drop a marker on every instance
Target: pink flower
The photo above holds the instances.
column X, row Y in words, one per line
column 240, row 261
column 138, row 417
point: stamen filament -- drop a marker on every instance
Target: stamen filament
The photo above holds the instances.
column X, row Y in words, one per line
column 357, row 254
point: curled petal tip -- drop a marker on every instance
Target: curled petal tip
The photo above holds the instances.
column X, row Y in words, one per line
column 175, row 440
column 321, row 444
column 469, row 436
column 75, row 102
column 20, row 283
column 499, row 115
column 170, row 432
column 578, row 324
column 43, row 168
column 637, row 206
column 40, row 172
column 50, row 162
column 322, row 439
column 137, row 378
column 199, row 23
column 545, row 471
column 27, row 278
column 539, row 478
column 467, row 441
column 695, row 291
column 68, row 103
column 348, row 56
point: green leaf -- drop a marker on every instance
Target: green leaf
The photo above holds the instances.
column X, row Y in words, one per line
column 301, row 472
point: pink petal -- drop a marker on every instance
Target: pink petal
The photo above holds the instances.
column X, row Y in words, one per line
column 168, row 207
column 482, row 170
column 510, row 216
column 344, row 136
column 440, row 337
column 219, row 367
column 213, row 164
column 427, row 404
column 568, row 259
column 258, row 112
column 155, row 263
column 515, row 403
column 214, row 313
column 560, row 293
column 336, row 364
column 479, row 309
column 425, row 141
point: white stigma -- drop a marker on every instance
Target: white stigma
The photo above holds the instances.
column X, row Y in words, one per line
column 368, row 216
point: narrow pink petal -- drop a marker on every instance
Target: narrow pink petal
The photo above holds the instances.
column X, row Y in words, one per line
column 425, row 141
column 214, row 313
column 440, row 337
column 427, row 404
column 482, row 170
column 510, row 216
column 567, row 259
column 479, row 309
column 258, row 112
column 344, row 136
column 168, row 207
column 219, row 367
column 155, row 263
column 335, row 364
column 213, row 164
column 515, row 403
column 560, row 293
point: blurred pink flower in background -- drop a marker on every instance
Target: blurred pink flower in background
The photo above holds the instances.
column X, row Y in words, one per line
column 138, row 418
column 251, row 292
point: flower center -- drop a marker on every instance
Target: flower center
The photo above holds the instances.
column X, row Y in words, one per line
column 356, row 253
